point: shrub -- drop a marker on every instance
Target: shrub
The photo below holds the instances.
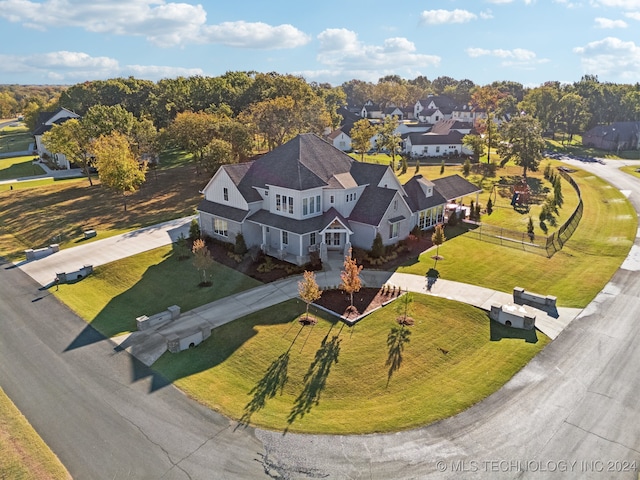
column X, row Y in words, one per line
column 453, row 219
column 240, row 246
column 442, row 167
column 194, row 230
column 489, row 207
column 466, row 168
column 377, row 249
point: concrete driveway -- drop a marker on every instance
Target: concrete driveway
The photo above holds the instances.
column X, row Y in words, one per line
column 104, row 251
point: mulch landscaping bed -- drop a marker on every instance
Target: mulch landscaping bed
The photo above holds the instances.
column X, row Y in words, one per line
column 219, row 252
column 364, row 301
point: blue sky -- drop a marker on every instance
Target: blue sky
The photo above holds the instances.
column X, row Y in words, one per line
column 528, row 41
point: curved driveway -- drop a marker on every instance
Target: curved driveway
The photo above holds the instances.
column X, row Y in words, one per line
column 570, row 413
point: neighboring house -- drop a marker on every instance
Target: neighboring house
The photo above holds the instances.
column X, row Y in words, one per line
column 307, row 196
column 435, row 145
column 614, row 137
column 394, row 112
column 340, row 139
column 443, row 127
column 45, row 122
column 371, row 110
column 467, row 113
column 424, row 109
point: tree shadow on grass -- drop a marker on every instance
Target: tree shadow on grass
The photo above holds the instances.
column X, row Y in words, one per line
column 396, row 340
column 274, row 380
column 316, row 378
column 499, row 331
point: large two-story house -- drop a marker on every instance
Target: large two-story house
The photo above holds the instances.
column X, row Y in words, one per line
column 307, row 196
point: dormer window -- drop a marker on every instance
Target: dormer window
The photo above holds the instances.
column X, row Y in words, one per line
column 225, row 194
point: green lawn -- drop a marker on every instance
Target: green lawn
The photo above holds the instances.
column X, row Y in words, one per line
column 118, row 292
column 267, row 370
column 17, row 167
column 23, row 454
column 575, row 274
column 15, row 139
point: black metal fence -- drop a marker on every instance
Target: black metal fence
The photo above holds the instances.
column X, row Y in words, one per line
column 539, row 244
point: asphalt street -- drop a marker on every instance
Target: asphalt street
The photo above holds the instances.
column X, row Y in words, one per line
column 570, row 413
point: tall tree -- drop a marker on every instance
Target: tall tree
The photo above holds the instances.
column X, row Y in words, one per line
column 308, row 290
column 475, row 143
column 73, row 141
column 388, row 137
column 350, row 276
column 361, row 134
column 217, row 152
column 573, row 113
column 523, row 143
column 193, row 132
column 118, row 169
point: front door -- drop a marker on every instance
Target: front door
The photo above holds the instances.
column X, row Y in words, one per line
column 332, row 239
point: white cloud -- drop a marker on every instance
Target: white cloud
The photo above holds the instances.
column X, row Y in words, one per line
column 255, row 35
column 633, row 15
column 162, row 23
column 608, row 23
column 69, row 67
column 342, row 53
column 439, row 17
column 486, row 15
column 624, row 4
column 517, row 57
column 611, row 57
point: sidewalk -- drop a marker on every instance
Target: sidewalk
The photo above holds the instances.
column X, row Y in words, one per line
column 149, row 345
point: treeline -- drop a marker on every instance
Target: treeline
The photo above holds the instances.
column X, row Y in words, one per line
column 16, row 99
column 276, row 106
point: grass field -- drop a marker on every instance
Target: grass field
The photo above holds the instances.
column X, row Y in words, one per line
column 115, row 294
column 15, row 139
column 59, row 212
column 265, row 369
column 17, row 167
column 575, row 274
column 23, row 454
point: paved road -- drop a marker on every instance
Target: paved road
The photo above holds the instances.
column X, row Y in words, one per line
column 107, row 417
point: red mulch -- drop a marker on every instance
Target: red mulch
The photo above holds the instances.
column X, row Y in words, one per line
column 364, row 301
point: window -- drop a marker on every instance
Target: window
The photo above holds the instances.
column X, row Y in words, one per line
column 291, row 205
column 438, row 149
column 395, row 204
column 318, row 203
column 393, row 231
column 331, row 200
column 285, row 238
column 278, row 205
column 225, row 194
column 220, row 227
column 305, row 206
column 312, row 238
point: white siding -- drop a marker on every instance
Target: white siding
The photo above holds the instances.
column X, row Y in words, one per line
column 215, row 191
column 342, row 142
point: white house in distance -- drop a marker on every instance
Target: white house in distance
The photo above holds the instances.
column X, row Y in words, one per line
column 45, row 122
column 307, row 196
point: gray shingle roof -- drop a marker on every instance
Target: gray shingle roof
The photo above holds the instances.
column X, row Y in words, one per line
column 455, row 186
column 303, row 163
column 315, row 224
column 453, row 137
column 223, row 211
column 372, row 205
column 417, row 199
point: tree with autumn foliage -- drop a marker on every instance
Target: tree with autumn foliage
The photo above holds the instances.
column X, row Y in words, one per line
column 308, row 290
column 118, row 168
column 202, row 259
column 438, row 238
column 350, row 276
